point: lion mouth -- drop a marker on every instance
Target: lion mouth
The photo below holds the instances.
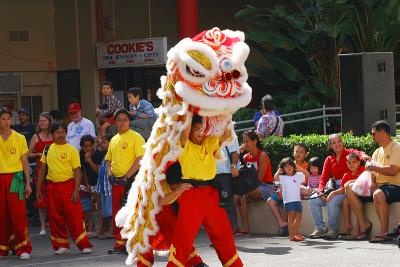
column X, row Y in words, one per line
column 194, row 73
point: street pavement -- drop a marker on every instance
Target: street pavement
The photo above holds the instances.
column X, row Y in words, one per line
column 255, row 250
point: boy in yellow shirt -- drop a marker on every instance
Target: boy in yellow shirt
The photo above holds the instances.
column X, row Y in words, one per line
column 13, row 191
column 124, row 153
column 200, row 204
column 63, row 179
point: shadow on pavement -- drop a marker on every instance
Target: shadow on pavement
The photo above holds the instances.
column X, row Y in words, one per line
column 319, row 244
column 268, row 250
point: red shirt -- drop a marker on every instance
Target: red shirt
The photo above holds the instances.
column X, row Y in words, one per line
column 336, row 169
column 255, row 161
column 348, row 176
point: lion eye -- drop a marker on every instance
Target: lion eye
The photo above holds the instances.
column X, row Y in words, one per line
column 226, row 65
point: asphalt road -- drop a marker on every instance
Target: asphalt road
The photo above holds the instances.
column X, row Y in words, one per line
column 254, row 250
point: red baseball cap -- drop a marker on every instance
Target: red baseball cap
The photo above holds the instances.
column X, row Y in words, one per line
column 73, row 107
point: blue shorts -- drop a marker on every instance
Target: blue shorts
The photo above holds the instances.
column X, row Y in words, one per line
column 275, row 198
column 294, row 206
column 266, row 190
column 86, row 204
column 106, row 205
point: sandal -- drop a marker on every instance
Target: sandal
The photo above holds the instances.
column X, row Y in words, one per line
column 381, row 239
column 364, row 235
column 105, row 236
column 241, row 233
column 346, row 236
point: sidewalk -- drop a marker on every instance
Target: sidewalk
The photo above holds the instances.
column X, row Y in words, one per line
column 255, row 251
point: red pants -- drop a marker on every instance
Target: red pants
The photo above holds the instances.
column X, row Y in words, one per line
column 197, row 206
column 13, row 222
column 63, row 214
column 117, row 195
column 166, row 220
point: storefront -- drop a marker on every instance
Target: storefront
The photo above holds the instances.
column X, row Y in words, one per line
column 129, row 63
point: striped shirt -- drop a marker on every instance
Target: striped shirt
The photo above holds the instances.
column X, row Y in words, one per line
column 224, row 165
column 144, row 107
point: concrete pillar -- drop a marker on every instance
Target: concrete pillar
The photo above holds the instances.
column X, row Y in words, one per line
column 188, row 18
column 89, row 76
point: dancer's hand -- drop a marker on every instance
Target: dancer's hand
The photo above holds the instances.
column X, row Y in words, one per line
column 183, row 187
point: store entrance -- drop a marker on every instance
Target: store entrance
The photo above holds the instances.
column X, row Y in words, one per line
column 146, row 78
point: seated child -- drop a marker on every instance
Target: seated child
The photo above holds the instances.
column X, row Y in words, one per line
column 315, row 169
column 291, row 180
column 353, row 163
column 142, row 112
column 109, row 104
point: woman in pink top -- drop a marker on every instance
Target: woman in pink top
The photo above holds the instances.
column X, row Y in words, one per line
column 334, row 166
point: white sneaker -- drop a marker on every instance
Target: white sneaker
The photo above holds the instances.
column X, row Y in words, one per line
column 61, row 251
column 42, row 232
column 86, row 250
column 25, row 256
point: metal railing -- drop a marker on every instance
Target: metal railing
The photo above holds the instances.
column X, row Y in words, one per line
column 323, row 114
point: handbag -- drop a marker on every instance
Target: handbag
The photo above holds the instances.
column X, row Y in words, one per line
column 247, row 180
column 330, row 187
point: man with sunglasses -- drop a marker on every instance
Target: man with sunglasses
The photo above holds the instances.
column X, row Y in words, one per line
column 385, row 186
column 124, row 153
column 13, row 190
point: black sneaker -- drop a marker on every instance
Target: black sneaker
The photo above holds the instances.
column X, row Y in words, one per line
column 116, row 251
column 395, row 232
column 283, row 231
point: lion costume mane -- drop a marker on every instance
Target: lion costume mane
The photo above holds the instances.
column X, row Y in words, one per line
column 206, row 76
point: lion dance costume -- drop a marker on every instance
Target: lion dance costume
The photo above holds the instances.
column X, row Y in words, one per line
column 206, row 76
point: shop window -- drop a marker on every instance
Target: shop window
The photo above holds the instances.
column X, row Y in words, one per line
column 35, row 106
column 18, row 36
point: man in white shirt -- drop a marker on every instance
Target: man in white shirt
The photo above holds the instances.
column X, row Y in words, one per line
column 79, row 126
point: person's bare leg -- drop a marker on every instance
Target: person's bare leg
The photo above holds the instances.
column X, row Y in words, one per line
column 244, row 214
column 348, row 227
column 273, row 206
column 296, row 224
column 42, row 217
column 356, row 206
column 382, row 210
column 100, row 229
column 291, row 219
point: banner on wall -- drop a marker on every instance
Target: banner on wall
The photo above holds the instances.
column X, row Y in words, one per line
column 138, row 52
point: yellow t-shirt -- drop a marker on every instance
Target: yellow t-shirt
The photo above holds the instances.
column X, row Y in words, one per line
column 11, row 151
column 198, row 161
column 389, row 155
column 123, row 151
column 61, row 161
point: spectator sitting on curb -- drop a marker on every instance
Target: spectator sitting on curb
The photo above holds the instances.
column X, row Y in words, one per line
column 385, row 187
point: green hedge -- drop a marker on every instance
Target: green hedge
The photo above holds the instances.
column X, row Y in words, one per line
column 280, row 147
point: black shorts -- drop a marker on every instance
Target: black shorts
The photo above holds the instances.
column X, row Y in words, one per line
column 392, row 194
